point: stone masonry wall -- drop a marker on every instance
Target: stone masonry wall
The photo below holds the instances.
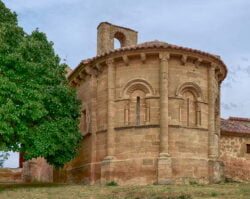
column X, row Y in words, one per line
column 235, row 158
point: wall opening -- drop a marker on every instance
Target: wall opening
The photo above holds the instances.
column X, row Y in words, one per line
column 248, row 148
column 119, row 40
column 138, row 107
column 117, row 43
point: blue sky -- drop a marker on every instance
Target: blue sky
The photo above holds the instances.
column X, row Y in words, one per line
column 220, row 27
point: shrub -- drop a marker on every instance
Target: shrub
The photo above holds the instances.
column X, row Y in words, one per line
column 112, row 183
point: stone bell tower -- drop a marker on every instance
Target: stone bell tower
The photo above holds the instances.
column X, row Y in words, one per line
column 106, row 33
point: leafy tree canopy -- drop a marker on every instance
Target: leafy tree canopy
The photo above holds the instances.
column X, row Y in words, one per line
column 39, row 113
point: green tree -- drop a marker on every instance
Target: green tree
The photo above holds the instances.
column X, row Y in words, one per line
column 39, row 113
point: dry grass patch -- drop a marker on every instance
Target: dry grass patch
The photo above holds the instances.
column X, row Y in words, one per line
column 63, row 191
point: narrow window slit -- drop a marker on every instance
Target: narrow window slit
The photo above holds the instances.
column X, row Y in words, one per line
column 138, row 104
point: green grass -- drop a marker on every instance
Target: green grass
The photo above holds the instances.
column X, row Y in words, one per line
column 63, row 191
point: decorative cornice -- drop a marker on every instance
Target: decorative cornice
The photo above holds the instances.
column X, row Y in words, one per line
column 149, row 46
column 138, row 127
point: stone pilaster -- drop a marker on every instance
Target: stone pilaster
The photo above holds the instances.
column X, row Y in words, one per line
column 164, row 170
column 93, row 127
column 106, row 169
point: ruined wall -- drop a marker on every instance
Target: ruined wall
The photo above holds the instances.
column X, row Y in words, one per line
column 8, row 175
column 235, row 157
column 37, row 170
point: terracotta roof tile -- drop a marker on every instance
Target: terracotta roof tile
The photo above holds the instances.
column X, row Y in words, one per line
column 236, row 125
column 150, row 44
column 146, row 45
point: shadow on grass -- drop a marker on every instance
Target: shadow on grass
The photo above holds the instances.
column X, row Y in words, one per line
column 11, row 186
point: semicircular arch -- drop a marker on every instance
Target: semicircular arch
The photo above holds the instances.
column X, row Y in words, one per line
column 137, row 84
column 190, row 87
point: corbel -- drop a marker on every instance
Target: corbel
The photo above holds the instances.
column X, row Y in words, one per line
column 88, row 70
column 125, row 59
column 98, row 68
column 82, row 74
column 184, row 59
column 143, row 58
column 213, row 65
column 76, row 81
column 197, row 62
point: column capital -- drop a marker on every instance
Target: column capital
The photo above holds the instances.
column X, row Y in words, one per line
column 164, row 155
column 213, row 66
column 110, row 62
column 164, row 56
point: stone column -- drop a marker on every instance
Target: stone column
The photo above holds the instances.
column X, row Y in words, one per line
column 215, row 165
column 218, row 118
column 111, row 110
column 211, row 112
column 164, row 104
column 107, row 166
column 93, row 127
column 164, row 161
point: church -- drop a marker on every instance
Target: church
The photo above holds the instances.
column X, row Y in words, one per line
column 151, row 115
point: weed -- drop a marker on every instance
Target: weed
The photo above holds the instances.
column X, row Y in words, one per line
column 193, row 183
column 112, row 183
column 214, row 194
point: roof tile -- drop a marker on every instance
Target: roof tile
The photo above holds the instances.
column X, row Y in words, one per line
column 236, row 125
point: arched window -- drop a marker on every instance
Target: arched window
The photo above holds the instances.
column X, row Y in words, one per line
column 137, row 106
column 138, row 110
column 190, row 107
